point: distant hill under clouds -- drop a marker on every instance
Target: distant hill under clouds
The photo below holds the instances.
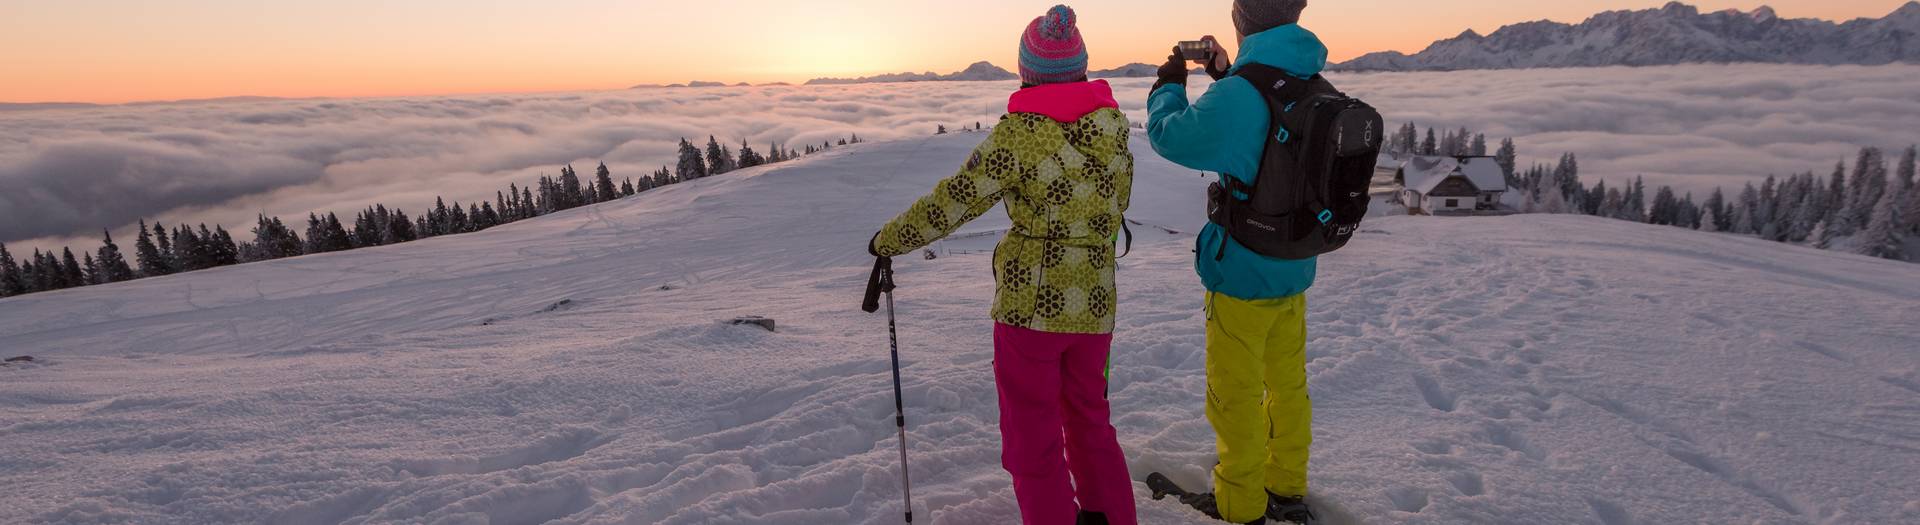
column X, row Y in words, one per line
column 979, row 71
column 985, row 71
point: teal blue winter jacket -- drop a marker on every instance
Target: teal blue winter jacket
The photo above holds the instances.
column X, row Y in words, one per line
column 1226, row 132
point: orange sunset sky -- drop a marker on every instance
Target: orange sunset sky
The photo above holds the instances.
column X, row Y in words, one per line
column 127, row 50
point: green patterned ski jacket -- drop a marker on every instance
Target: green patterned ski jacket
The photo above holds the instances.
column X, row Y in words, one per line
column 1059, row 161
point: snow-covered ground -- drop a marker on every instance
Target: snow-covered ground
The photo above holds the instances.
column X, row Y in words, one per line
column 572, row 369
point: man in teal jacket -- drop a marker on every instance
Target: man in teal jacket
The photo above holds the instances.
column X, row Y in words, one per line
column 1256, row 306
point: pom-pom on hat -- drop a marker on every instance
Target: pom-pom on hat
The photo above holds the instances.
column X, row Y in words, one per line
column 1051, row 51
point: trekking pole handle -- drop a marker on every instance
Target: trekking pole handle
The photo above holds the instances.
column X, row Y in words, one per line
column 880, row 281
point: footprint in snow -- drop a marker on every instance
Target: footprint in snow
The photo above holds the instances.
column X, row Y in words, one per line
column 1712, row 320
column 1610, row 513
column 1431, row 391
column 1469, row 483
column 1497, row 412
column 1505, row 436
column 1433, row 447
column 1408, row 499
column 1902, row 383
column 1823, row 350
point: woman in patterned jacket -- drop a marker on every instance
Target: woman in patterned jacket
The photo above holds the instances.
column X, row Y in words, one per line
column 1059, row 161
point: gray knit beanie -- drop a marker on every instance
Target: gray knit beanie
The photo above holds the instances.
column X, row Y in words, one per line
column 1252, row 17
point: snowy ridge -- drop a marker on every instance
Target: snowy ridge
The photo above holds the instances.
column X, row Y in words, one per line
column 1675, row 34
column 571, row 369
column 979, row 71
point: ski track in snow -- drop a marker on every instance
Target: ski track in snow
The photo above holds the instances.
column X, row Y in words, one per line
column 572, row 369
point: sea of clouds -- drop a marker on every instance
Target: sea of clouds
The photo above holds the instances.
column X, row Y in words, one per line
column 67, row 173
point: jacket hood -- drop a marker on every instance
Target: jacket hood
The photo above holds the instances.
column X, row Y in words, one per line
column 1066, row 102
column 1290, row 47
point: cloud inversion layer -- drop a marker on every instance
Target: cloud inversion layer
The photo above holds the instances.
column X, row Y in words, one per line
column 1693, row 127
column 71, row 172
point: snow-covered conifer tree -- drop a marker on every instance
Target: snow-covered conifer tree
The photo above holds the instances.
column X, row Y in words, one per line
column 1864, row 191
column 1508, row 157
column 1822, row 236
column 1881, row 238
column 748, row 157
column 316, row 234
column 12, row 282
column 1552, row 201
column 1910, row 211
column 1835, row 196
column 692, row 165
column 402, row 229
column 1716, row 204
column 1743, row 212
column 1799, row 224
column 718, row 161
column 571, row 194
column 90, row 270
column 603, row 183
column 1666, row 207
column 147, row 254
column 1903, row 172
column 165, row 244
column 113, row 264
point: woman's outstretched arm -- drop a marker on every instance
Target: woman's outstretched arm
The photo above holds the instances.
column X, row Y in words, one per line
column 954, row 201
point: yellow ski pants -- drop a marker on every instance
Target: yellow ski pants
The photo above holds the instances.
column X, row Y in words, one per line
column 1257, row 401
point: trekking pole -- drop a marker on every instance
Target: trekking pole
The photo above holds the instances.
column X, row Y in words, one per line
column 881, row 283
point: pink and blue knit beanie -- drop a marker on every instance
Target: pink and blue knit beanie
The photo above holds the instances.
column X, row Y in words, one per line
column 1051, row 51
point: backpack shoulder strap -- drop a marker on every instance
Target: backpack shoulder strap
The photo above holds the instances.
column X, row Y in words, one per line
column 1276, row 84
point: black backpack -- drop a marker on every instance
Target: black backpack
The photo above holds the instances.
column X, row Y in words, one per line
column 1311, row 191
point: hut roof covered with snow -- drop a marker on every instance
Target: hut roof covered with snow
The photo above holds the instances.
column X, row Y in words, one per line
column 1425, row 173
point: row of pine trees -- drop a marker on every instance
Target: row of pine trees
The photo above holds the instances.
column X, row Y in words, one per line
column 1868, row 209
column 159, row 250
column 1462, row 143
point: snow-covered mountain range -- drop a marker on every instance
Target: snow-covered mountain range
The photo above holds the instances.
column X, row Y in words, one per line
column 979, row 71
column 1675, row 34
column 574, row 369
column 1134, row 70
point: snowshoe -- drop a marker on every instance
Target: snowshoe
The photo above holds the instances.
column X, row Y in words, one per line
column 1290, row 509
column 1163, row 487
column 1203, row 502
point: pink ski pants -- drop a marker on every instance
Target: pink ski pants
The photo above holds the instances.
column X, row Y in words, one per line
column 1056, row 439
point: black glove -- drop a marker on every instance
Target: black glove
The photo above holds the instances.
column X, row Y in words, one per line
column 1218, row 74
column 1173, row 72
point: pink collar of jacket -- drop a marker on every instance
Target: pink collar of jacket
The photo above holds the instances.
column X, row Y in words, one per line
column 1063, row 102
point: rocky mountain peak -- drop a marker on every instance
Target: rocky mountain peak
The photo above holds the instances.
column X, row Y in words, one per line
column 1677, row 33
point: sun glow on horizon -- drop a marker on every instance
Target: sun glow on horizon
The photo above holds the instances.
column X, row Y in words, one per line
column 113, row 51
